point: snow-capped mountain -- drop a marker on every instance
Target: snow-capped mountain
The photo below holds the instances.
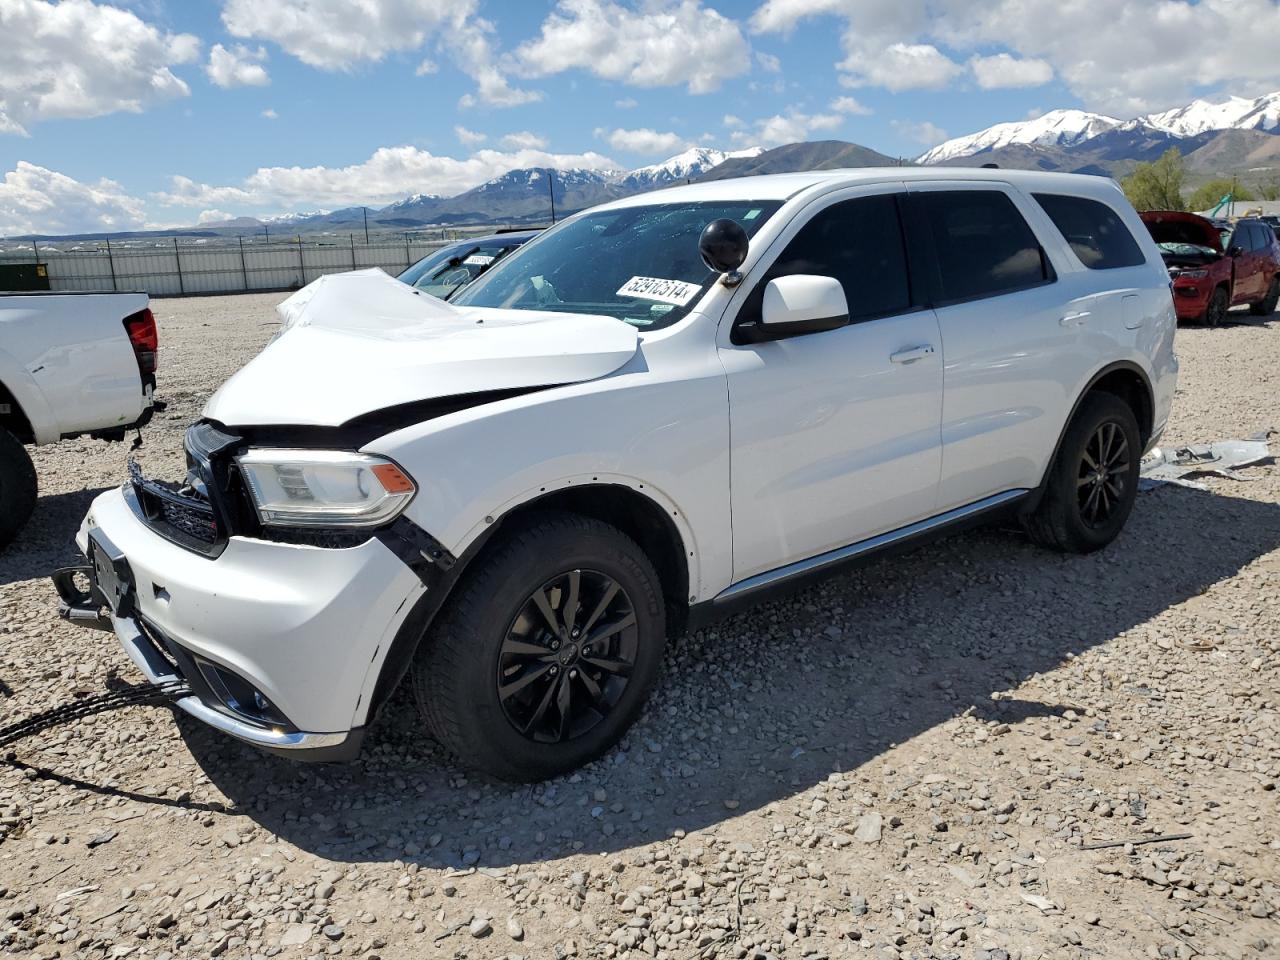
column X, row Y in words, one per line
column 1200, row 116
column 683, row 166
column 1066, row 128
column 1055, row 128
column 416, row 200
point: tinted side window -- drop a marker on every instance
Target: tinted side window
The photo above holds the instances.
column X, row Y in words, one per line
column 984, row 247
column 1096, row 234
column 860, row 243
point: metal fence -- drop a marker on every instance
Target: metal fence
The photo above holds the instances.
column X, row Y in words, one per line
column 178, row 268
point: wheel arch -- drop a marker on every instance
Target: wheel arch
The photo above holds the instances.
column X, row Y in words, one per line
column 637, row 509
column 13, row 417
column 1124, row 379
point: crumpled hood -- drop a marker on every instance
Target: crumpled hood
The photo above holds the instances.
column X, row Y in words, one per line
column 1174, row 226
column 355, row 343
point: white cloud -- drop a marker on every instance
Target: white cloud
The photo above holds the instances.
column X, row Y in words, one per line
column 524, row 140
column 922, row 132
column 473, row 52
column 391, row 173
column 238, row 67
column 642, row 141
column 1122, row 57
column 731, row 120
column 768, row 62
column 213, row 216
column 270, row 114
column 626, row 103
column 779, row 129
column 426, row 68
column 337, row 34
column 469, row 138
column 664, row 43
column 35, row 199
column 899, row 66
column 81, row 59
column 1002, row 71
column 850, row 106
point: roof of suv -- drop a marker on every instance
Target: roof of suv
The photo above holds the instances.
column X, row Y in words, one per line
column 783, row 186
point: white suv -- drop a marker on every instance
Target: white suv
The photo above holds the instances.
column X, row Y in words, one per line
column 657, row 409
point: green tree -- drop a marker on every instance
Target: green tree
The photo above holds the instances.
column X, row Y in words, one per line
column 1208, row 194
column 1157, row 186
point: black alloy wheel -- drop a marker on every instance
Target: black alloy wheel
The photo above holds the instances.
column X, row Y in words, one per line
column 546, row 649
column 1103, row 475
column 568, row 656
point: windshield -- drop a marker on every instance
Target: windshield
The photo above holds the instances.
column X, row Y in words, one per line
column 637, row 264
column 443, row 272
column 1188, row 249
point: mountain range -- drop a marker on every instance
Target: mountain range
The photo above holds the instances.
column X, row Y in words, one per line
column 1238, row 133
column 518, row 196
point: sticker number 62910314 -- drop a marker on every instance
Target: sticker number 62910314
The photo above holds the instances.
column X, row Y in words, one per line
column 676, row 292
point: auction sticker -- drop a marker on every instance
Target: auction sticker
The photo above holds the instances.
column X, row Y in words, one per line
column 675, row 292
column 477, row 260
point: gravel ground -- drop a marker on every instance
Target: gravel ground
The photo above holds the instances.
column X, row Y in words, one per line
column 915, row 760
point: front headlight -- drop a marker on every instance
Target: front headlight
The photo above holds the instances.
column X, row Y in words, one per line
column 322, row 488
column 1192, row 275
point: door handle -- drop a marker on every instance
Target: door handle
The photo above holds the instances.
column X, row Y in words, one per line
column 912, row 354
column 1074, row 319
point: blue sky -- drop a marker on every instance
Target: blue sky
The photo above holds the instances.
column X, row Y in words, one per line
column 156, row 112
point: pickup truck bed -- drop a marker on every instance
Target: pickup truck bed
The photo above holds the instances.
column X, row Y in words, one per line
column 70, row 364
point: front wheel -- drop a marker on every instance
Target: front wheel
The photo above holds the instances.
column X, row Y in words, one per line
column 17, row 486
column 1267, row 305
column 547, row 652
column 1219, row 303
column 1093, row 482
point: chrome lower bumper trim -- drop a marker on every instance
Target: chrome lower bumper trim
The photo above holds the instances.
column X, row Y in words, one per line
column 157, row 670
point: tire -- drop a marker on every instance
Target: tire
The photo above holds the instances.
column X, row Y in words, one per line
column 1078, row 512
column 17, row 486
column 1267, row 305
column 494, row 633
column 1215, row 314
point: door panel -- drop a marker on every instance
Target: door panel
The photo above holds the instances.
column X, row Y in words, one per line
column 833, row 440
column 1014, row 357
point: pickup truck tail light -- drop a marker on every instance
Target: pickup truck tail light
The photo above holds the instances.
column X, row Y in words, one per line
column 141, row 327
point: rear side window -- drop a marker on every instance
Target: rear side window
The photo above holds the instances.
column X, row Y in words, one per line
column 1095, row 232
column 984, row 246
column 858, row 242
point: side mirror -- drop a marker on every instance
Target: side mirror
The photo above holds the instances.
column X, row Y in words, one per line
column 801, row 304
column 723, row 245
column 1235, row 250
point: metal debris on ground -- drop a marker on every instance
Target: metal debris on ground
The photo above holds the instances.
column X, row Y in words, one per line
column 1221, row 459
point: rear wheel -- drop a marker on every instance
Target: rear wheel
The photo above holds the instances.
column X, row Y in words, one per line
column 1216, row 313
column 1094, row 480
column 1267, row 305
column 17, row 486
column 546, row 654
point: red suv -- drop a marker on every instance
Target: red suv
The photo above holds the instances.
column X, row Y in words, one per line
column 1209, row 276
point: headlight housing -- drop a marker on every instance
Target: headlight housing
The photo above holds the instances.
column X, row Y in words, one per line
column 1192, row 275
column 324, row 488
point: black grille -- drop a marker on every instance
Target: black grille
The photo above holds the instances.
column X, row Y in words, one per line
column 194, row 521
column 179, row 514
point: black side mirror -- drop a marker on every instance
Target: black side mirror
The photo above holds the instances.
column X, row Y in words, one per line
column 723, row 245
column 1234, row 250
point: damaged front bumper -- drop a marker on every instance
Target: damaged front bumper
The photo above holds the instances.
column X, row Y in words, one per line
column 281, row 644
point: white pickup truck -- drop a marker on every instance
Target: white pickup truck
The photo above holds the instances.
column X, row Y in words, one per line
column 71, row 364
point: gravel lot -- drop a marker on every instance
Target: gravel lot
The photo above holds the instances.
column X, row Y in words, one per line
column 915, row 760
